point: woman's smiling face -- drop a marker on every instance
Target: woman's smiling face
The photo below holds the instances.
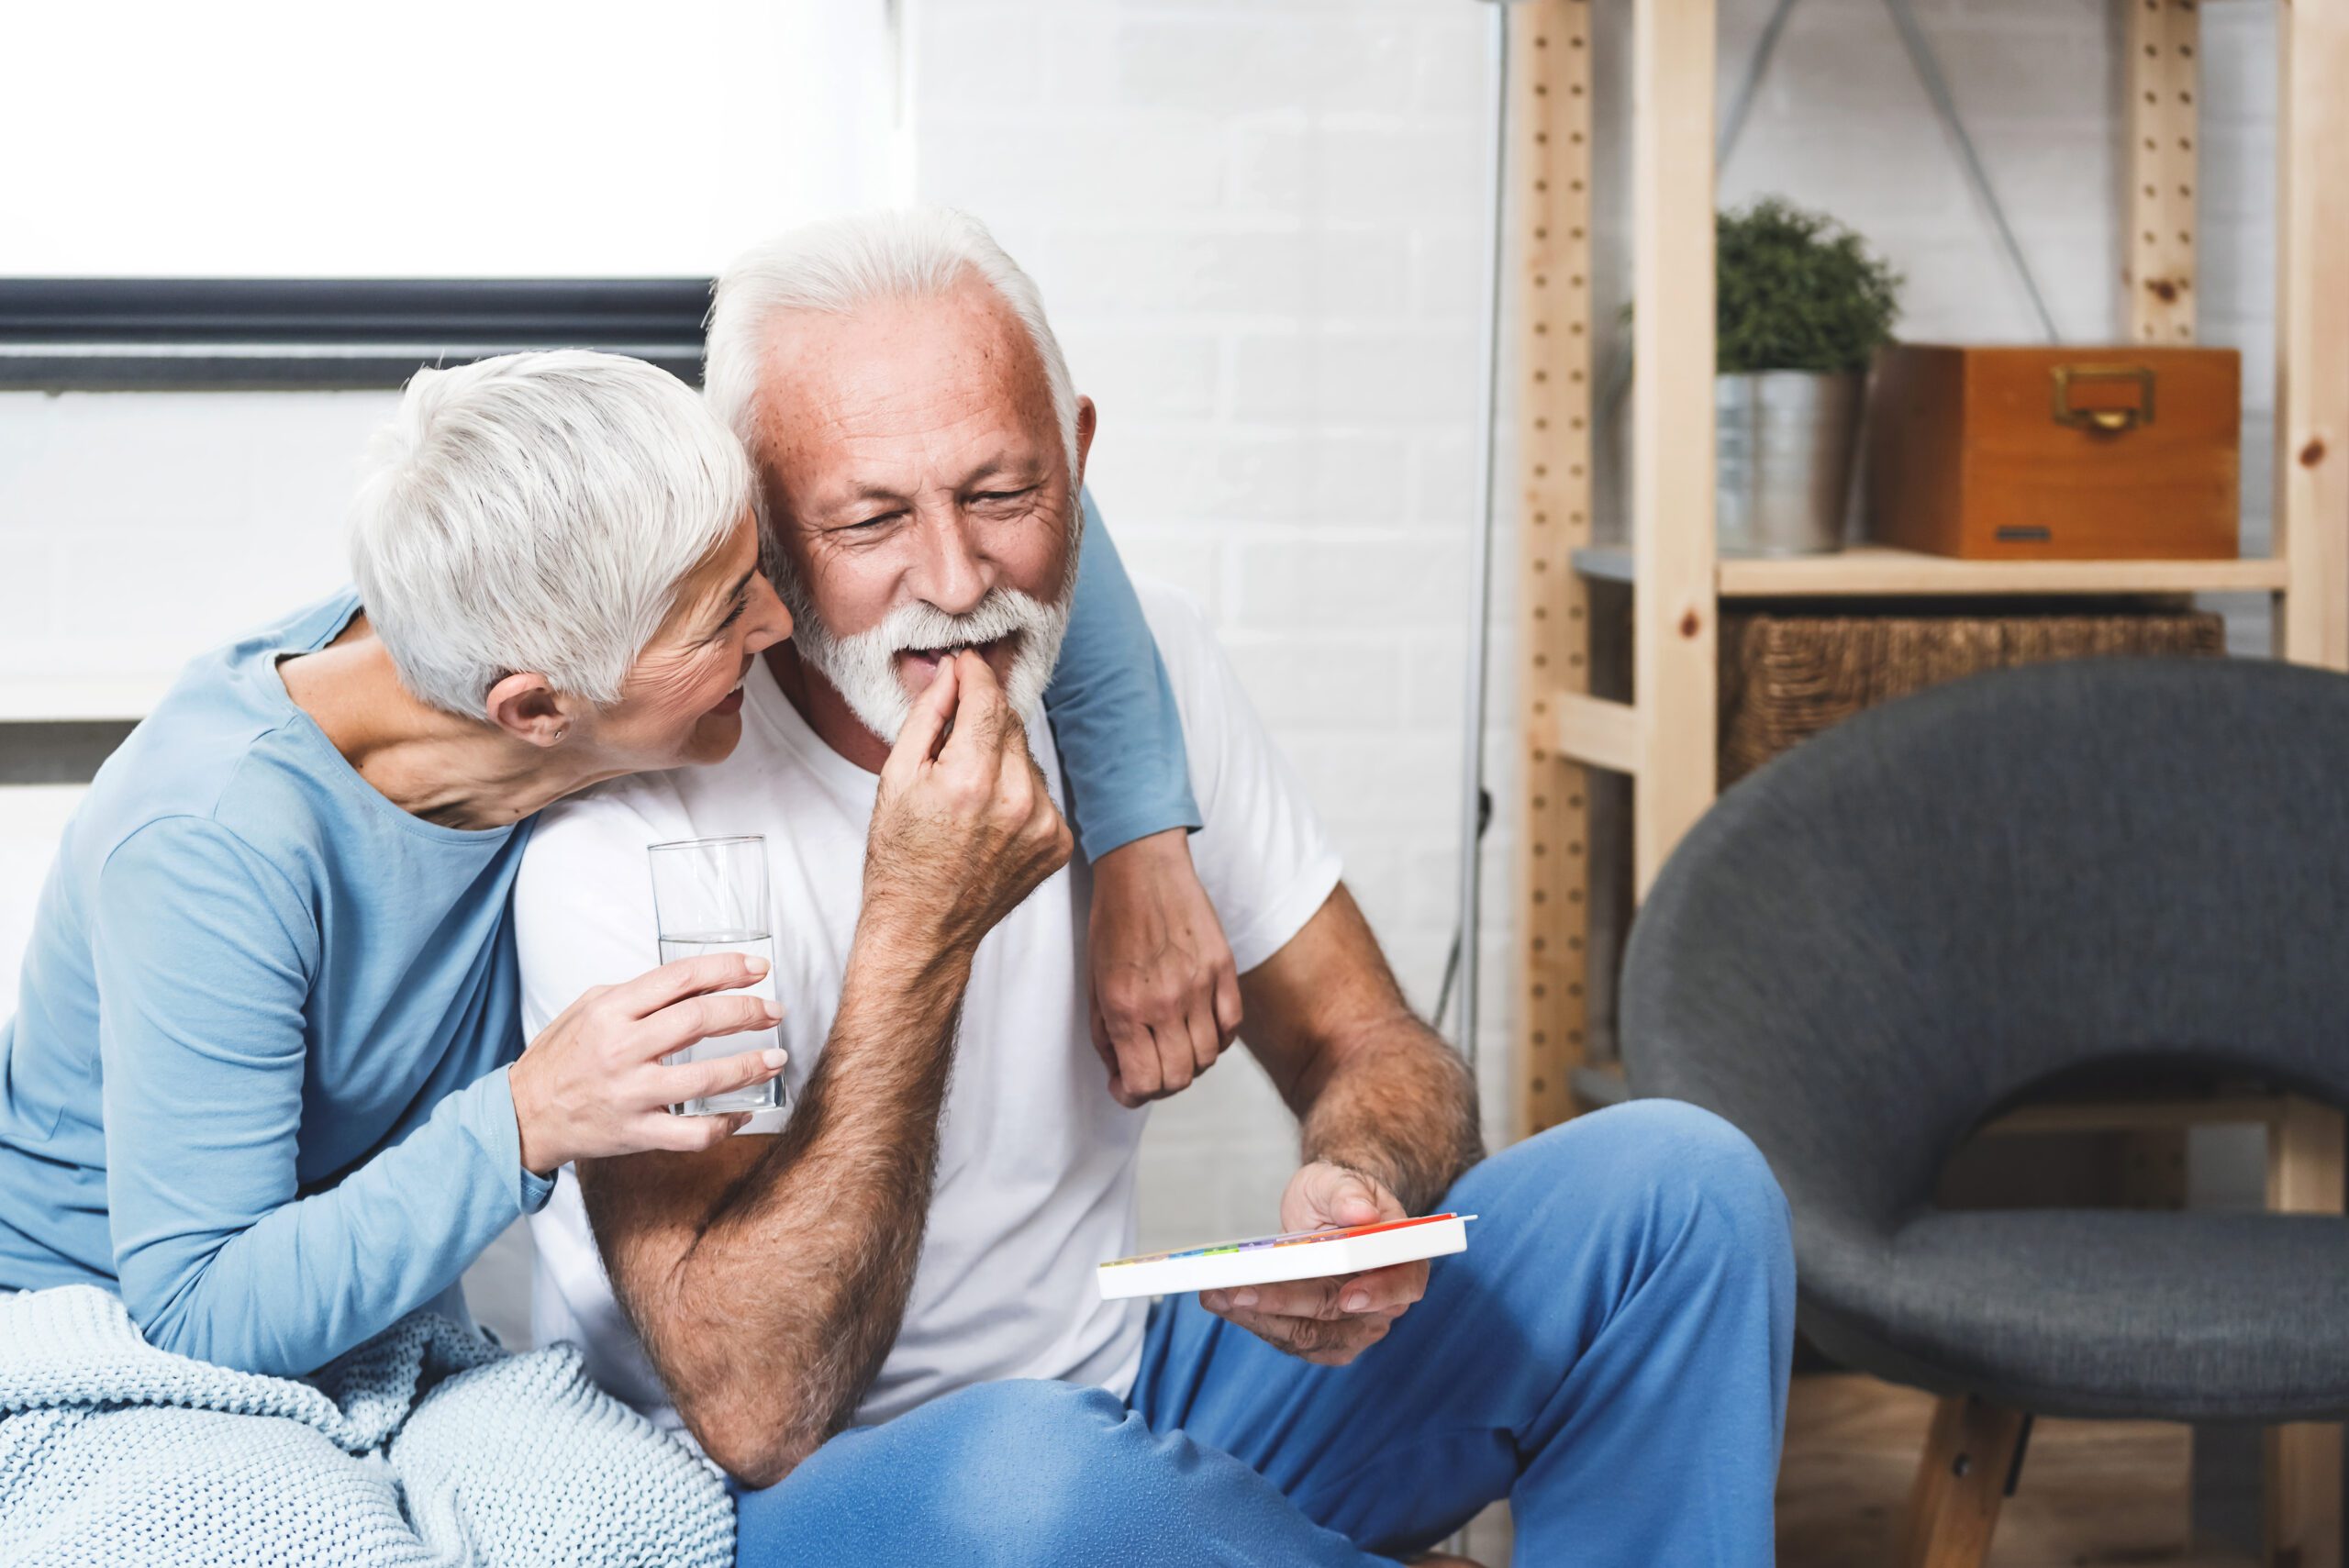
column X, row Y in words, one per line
column 682, row 702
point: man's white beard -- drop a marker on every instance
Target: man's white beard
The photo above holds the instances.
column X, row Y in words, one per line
column 863, row 668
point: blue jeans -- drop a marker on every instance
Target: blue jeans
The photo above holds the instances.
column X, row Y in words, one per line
column 1610, row 1354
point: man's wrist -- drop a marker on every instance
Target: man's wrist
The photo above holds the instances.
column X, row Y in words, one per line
column 909, row 946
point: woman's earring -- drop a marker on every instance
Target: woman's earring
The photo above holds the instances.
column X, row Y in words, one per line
column 563, row 731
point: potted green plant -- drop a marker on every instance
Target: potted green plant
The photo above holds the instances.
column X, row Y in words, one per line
column 1801, row 307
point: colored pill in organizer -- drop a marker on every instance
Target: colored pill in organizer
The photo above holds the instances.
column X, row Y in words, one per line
column 1292, row 1239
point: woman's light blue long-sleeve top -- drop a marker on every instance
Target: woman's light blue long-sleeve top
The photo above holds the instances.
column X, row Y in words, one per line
column 1114, row 719
column 256, row 1083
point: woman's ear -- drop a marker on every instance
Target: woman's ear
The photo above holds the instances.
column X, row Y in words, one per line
column 527, row 708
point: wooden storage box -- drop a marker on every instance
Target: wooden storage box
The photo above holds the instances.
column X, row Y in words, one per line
column 2058, row 454
column 1783, row 678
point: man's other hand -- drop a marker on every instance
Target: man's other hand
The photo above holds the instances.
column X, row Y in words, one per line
column 1326, row 1321
column 1165, row 992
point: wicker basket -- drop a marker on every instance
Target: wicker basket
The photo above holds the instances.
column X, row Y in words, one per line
column 1785, row 678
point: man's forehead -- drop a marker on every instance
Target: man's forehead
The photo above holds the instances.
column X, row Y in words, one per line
column 848, row 368
column 901, row 394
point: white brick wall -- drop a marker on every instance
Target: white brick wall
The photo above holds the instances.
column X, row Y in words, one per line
column 1257, row 223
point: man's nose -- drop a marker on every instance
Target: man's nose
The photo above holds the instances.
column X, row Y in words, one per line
column 950, row 575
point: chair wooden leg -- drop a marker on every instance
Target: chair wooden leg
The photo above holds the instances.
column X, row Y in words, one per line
column 2305, row 1175
column 2304, row 1496
column 1961, row 1482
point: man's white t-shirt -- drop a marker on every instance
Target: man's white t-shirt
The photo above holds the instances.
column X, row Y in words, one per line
column 1036, row 1163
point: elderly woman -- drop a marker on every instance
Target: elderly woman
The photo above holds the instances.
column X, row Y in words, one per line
column 263, row 1082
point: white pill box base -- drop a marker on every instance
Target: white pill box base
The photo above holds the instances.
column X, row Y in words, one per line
column 1304, row 1260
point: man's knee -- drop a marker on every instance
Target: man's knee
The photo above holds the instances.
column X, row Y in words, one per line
column 1713, row 1185
column 1675, row 1163
column 1691, row 1148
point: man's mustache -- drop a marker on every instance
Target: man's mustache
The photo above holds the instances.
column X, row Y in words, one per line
column 1004, row 613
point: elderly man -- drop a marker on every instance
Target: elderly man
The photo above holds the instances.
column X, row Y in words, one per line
column 882, row 1312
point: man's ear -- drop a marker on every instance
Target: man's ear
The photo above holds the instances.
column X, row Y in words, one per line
column 1088, row 417
column 527, row 708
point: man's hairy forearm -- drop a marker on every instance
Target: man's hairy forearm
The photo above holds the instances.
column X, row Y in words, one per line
column 1401, row 1109
column 1373, row 1088
column 768, row 1279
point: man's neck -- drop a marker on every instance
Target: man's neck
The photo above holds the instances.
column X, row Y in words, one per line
column 826, row 711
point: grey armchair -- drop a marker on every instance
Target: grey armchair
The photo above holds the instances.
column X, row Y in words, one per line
column 1894, row 931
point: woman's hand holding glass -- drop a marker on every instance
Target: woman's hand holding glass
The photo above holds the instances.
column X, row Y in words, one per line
column 593, row 1085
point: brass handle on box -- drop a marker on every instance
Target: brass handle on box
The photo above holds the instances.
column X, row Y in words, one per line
column 2110, row 420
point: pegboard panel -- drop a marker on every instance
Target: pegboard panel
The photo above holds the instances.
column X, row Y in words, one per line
column 1550, row 172
column 2162, row 116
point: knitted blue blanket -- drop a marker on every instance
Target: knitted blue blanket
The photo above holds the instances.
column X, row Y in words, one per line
column 426, row 1445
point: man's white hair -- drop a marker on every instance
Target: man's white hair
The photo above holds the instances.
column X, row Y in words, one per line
column 536, row 512
column 839, row 264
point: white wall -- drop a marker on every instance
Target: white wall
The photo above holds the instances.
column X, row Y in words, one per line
column 138, row 528
column 446, row 138
column 1257, row 223
column 136, row 531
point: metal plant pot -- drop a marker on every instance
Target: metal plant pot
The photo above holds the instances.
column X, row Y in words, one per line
column 1784, row 441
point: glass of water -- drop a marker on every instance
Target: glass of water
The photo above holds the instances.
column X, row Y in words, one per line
column 710, row 895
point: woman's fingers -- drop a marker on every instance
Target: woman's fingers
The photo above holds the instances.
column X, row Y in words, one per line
column 718, row 1075
column 692, row 1134
column 1227, row 1005
column 696, row 1018
column 684, row 977
column 1205, row 1043
column 1108, row 1053
column 1138, row 1066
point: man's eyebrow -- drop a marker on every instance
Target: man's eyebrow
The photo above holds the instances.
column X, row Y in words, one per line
column 851, row 494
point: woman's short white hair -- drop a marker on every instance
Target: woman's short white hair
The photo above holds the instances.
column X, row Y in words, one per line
column 841, row 264
column 536, row 512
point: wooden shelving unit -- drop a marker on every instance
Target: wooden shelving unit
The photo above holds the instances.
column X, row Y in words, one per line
column 1664, row 739
column 1877, row 571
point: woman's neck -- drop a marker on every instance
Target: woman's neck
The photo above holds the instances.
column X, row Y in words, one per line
column 430, row 764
